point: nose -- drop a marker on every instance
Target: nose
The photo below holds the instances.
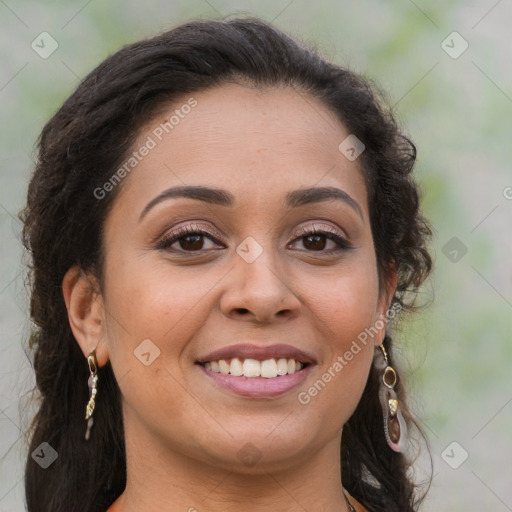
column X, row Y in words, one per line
column 260, row 291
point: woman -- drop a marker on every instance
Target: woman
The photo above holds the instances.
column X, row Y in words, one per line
column 222, row 226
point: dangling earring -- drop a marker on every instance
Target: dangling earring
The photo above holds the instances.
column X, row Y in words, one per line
column 395, row 427
column 93, row 384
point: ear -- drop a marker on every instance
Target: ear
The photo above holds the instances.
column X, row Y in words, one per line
column 386, row 295
column 86, row 312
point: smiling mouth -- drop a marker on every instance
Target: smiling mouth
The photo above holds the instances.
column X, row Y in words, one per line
column 253, row 368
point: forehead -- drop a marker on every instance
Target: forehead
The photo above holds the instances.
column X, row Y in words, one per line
column 254, row 142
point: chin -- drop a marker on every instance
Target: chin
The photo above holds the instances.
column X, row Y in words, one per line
column 259, row 450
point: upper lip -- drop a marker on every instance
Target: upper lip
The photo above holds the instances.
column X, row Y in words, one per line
column 259, row 352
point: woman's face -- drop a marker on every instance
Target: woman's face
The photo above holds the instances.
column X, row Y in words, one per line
column 253, row 284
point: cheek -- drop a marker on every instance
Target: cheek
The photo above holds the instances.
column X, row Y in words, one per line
column 344, row 313
column 152, row 315
column 344, row 319
column 344, row 301
column 150, row 301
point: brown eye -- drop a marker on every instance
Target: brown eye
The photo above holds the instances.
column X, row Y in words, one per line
column 189, row 238
column 315, row 240
column 191, row 242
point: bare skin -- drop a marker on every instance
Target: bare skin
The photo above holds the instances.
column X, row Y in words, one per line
column 184, row 433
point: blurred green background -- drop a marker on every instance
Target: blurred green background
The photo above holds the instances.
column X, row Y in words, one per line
column 454, row 102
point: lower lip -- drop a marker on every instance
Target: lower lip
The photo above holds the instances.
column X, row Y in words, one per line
column 259, row 387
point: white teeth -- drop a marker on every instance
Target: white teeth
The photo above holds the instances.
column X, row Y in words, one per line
column 269, row 368
column 282, row 366
column 251, row 368
column 236, row 367
column 223, row 367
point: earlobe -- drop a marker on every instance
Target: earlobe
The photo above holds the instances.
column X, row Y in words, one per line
column 84, row 304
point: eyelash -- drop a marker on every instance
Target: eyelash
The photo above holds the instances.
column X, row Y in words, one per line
column 167, row 241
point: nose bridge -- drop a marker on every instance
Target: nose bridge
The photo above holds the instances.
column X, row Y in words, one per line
column 258, row 283
column 259, row 265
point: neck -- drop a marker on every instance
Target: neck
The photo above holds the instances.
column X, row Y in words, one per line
column 164, row 480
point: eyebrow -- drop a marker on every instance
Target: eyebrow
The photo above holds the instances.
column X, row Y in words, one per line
column 221, row 197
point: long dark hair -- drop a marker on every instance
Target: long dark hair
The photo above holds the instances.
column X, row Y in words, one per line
column 82, row 146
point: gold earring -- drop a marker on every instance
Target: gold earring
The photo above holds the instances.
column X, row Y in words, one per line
column 395, row 428
column 93, row 389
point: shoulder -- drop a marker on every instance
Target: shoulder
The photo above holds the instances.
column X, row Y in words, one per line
column 354, row 502
column 114, row 507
